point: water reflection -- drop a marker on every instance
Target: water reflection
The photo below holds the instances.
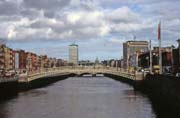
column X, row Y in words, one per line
column 3, row 110
column 83, row 97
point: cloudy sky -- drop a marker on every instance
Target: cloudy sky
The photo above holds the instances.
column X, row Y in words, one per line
column 99, row 27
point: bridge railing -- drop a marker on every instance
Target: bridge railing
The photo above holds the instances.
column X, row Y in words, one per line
column 78, row 70
column 122, row 72
column 9, row 79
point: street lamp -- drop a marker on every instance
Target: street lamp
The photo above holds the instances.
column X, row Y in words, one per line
column 143, row 74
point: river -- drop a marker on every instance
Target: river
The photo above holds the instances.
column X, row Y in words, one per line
column 79, row 97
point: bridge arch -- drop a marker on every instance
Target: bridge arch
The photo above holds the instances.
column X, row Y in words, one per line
column 85, row 73
column 80, row 72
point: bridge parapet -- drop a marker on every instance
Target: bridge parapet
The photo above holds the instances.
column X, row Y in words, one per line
column 79, row 70
column 9, row 79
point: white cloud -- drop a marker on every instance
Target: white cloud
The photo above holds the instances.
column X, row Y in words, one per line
column 87, row 19
column 74, row 17
column 123, row 14
column 46, row 4
column 11, row 32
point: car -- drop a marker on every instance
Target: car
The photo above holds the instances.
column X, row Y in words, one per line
column 169, row 74
column 7, row 74
column 177, row 74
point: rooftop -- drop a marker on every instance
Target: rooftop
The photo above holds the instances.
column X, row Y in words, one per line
column 178, row 40
column 135, row 42
column 73, row 44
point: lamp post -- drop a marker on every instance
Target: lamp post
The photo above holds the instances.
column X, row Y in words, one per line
column 143, row 74
column 116, row 65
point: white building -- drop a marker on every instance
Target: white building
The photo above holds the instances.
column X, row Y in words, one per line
column 73, row 54
column 131, row 47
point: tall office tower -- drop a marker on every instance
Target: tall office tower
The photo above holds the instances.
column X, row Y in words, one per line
column 130, row 48
column 73, row 54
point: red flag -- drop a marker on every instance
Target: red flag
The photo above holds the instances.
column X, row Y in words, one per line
column 159, row 31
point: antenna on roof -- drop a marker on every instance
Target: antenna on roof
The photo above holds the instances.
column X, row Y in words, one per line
column 134, row 37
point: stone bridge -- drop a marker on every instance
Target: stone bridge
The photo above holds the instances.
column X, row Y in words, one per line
column 80, row 71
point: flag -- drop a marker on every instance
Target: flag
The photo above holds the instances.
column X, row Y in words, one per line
column 159, row 31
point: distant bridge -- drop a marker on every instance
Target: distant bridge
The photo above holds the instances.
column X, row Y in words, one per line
column 80, row 71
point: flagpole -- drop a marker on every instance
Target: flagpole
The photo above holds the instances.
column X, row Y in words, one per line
column 160, row 51
column 160, row 57
column 150, row 51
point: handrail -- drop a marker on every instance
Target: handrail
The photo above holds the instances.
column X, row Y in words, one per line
column 76, row 70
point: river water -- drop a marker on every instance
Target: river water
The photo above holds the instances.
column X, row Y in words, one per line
column 79, row 97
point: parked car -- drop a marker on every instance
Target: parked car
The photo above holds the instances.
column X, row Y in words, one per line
column 7, row 74
column 169, row 74
column 178, row 74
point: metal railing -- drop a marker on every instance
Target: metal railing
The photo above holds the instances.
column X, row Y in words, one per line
column 77, row 70
column 8, row 79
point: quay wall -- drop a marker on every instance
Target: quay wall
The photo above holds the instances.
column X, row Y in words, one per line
column 11, row 89
column 42, row 82
column 162, row 91
column 8, row 90
column 164, row 94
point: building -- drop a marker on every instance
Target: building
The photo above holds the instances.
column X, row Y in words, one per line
column 97, row 61
column 176, row 59
column 20, row 60
column 7, row 61
column 29, row 65
column 34, row 61
column 130, row 48
column 164, row 49
column 38, row 58
column 60, row 62
column 178, row 50
column 144, row 60
column 113, row 63
column 86, row 63
column 44, row 61
column 73, row 54
column 133, row 60
column 52, row 62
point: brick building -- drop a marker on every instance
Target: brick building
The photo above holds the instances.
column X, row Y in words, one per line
column 7, row 62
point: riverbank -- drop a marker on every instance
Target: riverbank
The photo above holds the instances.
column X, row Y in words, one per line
column 162, row 91
column 42, row 82
column 9, row 90
column 121, row 79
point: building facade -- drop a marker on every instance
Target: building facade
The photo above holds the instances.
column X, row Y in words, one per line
column 130, row 48
column 29, row 61
column 73, row 54
column 20, row 60
column 144, row 61
column 176, row 58
column 7, row 61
